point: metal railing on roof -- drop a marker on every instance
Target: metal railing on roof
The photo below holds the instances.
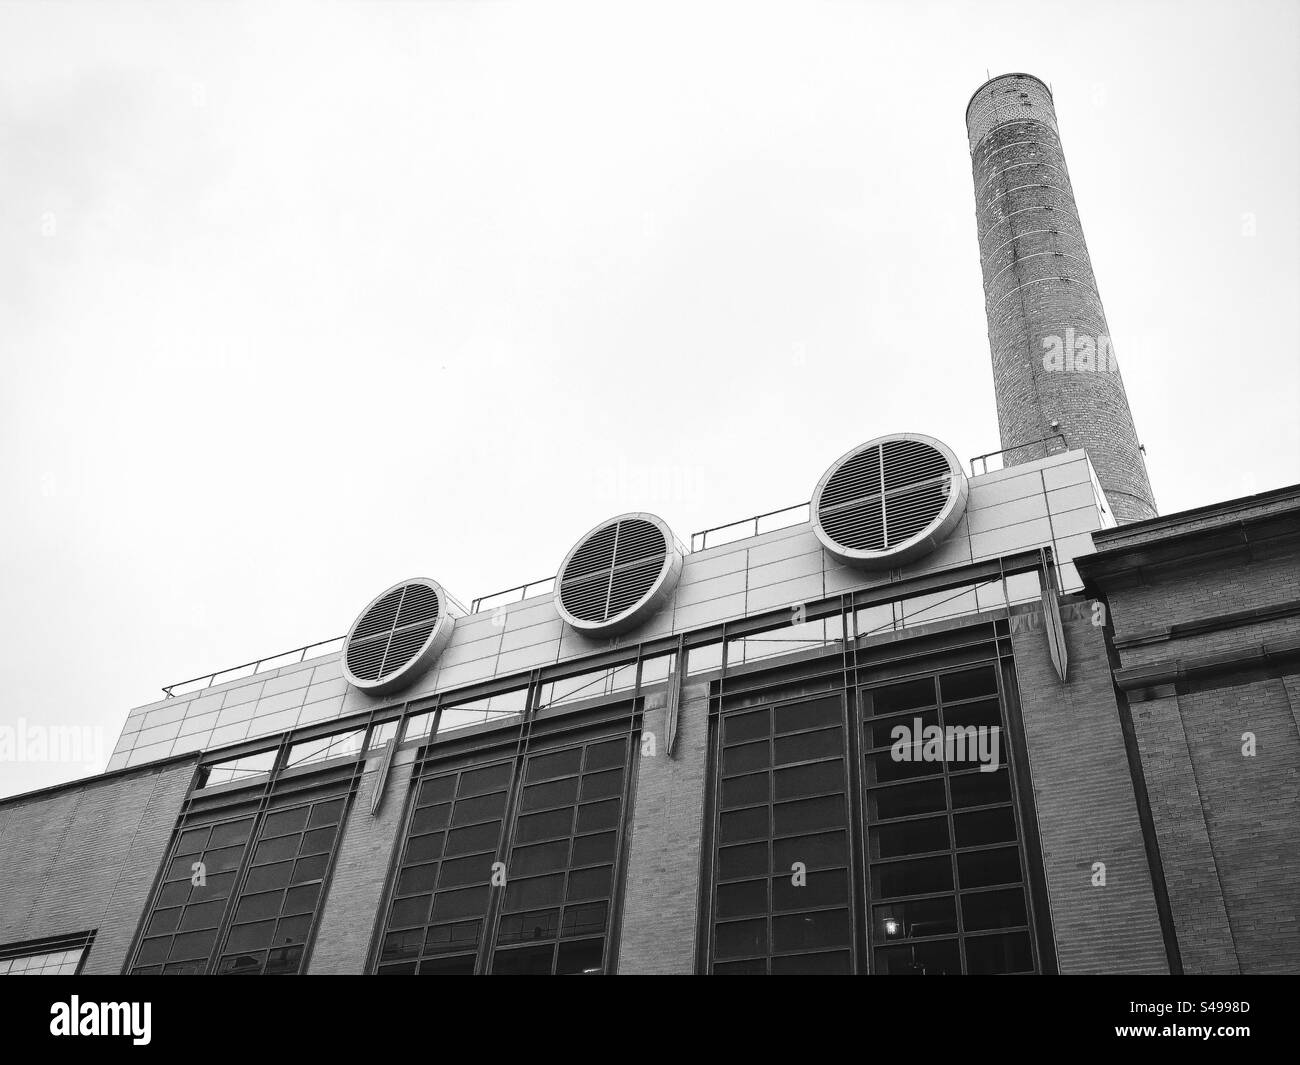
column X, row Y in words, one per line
column 510, row 595
column 983, row 459
column 250, row 669
column 755, row 526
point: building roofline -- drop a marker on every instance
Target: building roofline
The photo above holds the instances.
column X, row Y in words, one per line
column 96, row 778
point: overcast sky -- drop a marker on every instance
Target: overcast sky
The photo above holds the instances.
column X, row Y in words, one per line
column 297, row 300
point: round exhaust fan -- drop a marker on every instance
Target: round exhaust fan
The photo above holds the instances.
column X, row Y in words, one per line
column 398, row 635
column 889, row 501
column 618, row 574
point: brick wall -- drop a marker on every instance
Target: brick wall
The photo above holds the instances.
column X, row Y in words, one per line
column 1087, row 811
column 662, row 889
column 1191, row 871
column 356, row 888
column 1038, row 283
column 1226, row 824
column 84, row 857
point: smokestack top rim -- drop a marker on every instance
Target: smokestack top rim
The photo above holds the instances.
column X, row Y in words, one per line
column 1000, row 77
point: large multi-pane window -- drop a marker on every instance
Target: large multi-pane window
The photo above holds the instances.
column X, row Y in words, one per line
column 511, row 857
column 945, row 870
column 241, row 887
column 197, row 881
column 49, row 957
column 561, row 865
column 782, row 901
column 889, row 847
column 281, row 892
column 441, row 894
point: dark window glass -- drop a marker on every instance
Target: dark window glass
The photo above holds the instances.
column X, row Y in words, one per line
column 993, row 909
column 745, row 791
column 804, row 746
column 431, row 818
column 985, row 826
column 284, row 822
column 581, row 957
column 986, row 868
column 795, row 717
column 524, row 961
column 473, row 840
column 325, row 813
column 283, row 961
column 597, row 816
column 746, row 860
column 1008, row 953
column 202, row 915
column 981, row 789
column 824, row 888
column 808, row 815
column 275, row 850
column 916, row 877
column 741, row 939
column 745, row 758
column 906, row 696
column 906, row 800
column 554, row 793
column 481, row 808
column 605, row 755
column 407, row 912
column 552, row 824
column 594, row 850
column 909, row 837
column 935, row 958
column 985, row 714
column 824, row 850
column 438, row 790
column 882, row 733
column 915, row 919
column 534, row 925
column 817, row 778
column 458, row 966
column 266, row 877
column 827, row 963
column 738, row 728
column 739, row 825
column 968, row 684
column 808, row 931
column 429, row 848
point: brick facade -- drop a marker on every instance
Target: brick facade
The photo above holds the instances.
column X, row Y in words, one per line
column 1206, row 612
column 1086, row 807
column 662, row 888
column 356, row 888
column 84, row 857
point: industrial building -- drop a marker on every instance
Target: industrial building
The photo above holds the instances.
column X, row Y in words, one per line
column 986, row 716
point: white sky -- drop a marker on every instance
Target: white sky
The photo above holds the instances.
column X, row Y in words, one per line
column 300, row 300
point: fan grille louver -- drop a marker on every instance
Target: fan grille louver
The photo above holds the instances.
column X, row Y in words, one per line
column 392, row 632
column 885, row 495
column 613, row 569
column 889, row 501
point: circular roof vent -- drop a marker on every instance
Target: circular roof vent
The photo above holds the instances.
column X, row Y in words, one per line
column 889, row 501
column 618, row 574
column 398, row 635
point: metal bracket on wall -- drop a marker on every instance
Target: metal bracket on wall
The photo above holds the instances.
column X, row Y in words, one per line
column 674, row 701
column 1052, row 618
column 381, row 780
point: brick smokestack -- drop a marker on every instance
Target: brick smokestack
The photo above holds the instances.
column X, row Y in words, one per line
column 1052, row 359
